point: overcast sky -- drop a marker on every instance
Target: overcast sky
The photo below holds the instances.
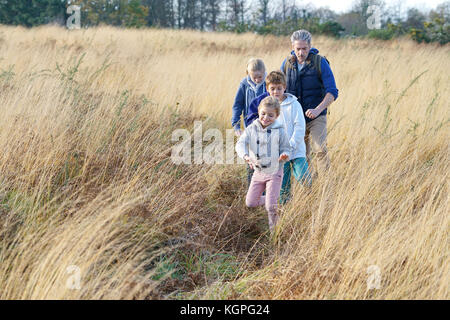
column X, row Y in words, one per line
column 345, row 5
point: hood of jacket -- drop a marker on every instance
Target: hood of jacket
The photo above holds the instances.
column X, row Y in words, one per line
column 277, row 124
column 247, row 81
column 290, row 98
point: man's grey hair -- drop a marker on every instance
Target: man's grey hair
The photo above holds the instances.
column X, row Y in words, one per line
column 301, row 35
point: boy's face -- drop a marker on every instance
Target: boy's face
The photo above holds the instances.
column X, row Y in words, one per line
column 276, row 91
column 267, row 116
column 256, row 76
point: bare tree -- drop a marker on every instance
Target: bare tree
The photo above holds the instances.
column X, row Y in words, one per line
column 283, row 9
column 160, row 13
column 213, row 12
column 180, row 9
column 442, row 11
column 264, row 10
column 189, row 15
column 237, row 9
column 415, row 19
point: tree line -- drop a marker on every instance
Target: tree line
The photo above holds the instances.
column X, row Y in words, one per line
column 278, row 17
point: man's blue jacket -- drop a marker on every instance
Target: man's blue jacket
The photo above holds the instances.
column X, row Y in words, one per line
column 306, row 84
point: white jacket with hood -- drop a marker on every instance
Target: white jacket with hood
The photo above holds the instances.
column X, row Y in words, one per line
column 292, row 117
column 264, row 145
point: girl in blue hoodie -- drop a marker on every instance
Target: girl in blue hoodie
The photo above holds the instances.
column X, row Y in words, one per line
column 252, row 86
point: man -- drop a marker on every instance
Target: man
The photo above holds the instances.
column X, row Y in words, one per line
column 310, row 79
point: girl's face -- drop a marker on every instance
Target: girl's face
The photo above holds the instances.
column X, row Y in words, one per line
column 256, row 76
column 267, row 116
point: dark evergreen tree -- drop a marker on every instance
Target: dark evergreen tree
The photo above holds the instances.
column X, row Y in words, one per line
column 31, row 13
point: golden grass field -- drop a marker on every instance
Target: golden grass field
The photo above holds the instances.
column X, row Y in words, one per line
column 86, row 178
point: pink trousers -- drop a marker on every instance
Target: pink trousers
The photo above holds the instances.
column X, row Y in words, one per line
column 272, row 184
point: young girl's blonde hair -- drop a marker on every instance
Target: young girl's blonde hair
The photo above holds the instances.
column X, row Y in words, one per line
column 270, row 102
column 255, row 65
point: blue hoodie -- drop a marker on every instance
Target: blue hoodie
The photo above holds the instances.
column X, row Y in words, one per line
column 247, row 91
column 306, row 85
column 253, row 109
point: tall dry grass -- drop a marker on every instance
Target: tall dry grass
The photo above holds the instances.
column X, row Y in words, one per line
column 87, row 181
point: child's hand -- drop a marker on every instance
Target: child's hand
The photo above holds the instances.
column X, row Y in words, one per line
column 249, row 161
column 237, row 132
column 283, row 157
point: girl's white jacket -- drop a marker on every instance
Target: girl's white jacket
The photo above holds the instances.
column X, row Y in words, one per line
column 292, row 117
column 264, row 145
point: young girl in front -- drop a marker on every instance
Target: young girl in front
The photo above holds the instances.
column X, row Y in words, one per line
column 263, row 145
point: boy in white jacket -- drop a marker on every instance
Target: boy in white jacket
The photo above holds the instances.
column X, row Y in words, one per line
column 292, row 117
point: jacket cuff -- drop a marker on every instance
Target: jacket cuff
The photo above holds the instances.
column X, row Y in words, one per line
column 334, row 92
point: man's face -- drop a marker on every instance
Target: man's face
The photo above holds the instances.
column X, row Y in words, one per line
column 301, row 49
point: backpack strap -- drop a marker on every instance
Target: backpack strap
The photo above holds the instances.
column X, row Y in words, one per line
column 290, row 63
column 318, row 65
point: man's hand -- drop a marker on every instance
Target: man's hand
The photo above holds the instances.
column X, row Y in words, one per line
column 327, row 101
column 312, row 113
column 237, row 132
column 283, row 157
